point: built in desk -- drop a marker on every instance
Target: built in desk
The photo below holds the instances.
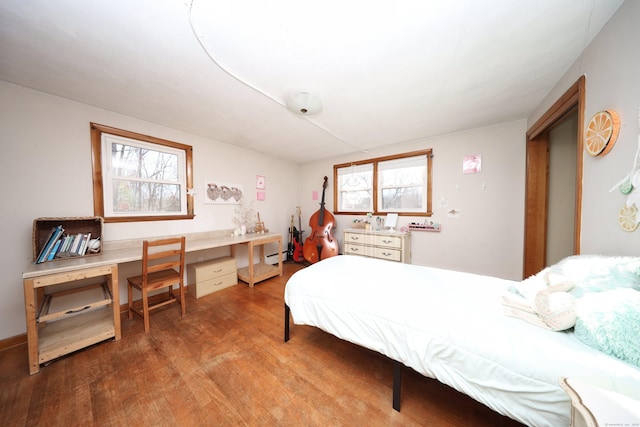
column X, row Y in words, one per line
column 62, row 322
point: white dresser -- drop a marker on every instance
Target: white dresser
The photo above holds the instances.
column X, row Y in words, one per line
column 393, row 246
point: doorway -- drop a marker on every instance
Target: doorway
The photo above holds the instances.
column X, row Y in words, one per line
column 538, row 175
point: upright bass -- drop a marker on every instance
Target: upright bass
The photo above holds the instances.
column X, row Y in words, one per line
column 320, row 244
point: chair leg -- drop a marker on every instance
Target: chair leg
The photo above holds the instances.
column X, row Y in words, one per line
column 130, row 300
column 145, row 308
column 183, row 302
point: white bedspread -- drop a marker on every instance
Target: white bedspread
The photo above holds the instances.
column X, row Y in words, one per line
column 450, row 326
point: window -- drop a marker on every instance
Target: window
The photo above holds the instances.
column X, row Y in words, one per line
column 140, row 178
column 400, row 184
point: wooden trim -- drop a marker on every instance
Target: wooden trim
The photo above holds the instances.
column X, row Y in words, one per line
column 563, row 106
column 535, row 224
column 427, row 152
column 11, row 342
column 579, row 165
column 96, row 158
column 537, row 176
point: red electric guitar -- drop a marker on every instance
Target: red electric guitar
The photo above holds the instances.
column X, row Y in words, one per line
column 298, row 254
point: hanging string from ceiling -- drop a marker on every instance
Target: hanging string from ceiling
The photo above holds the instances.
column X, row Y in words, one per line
column 255, row 88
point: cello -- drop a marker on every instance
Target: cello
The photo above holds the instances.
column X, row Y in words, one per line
column 320, row 244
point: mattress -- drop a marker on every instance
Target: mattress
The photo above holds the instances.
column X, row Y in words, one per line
column 450, row 326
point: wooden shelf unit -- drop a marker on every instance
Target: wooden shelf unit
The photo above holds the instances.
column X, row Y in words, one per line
column 81, row 316
column 257, row 272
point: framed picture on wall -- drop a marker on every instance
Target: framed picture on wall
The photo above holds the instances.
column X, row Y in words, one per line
column 222, row 193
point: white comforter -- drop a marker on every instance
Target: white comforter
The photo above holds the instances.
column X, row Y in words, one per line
column 450, row 326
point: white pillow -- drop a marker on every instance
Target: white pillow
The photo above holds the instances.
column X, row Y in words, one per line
column 551, row 306
column 556, row 309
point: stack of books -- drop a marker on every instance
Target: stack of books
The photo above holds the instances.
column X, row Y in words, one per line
column 60, row 245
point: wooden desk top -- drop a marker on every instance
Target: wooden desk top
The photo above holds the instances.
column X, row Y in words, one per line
column 117, row 252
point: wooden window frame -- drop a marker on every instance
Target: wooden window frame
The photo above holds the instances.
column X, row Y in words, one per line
column 429, row 155
column 98, row 186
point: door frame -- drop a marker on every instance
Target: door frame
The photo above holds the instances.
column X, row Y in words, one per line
column 537, row 177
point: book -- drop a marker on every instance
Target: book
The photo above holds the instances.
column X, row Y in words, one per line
column 50, row 244
column 54, row 251
column 85, row 243
column 40, row 256
column 76, row 243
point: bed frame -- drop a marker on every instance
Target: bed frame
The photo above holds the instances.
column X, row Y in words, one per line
column 397, row 366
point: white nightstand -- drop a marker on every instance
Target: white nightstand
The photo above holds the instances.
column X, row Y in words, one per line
column 593, row 406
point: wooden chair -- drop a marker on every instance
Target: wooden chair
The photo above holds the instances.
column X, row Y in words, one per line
column 162, row 267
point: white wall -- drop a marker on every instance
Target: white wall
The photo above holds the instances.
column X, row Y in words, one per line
column 612, row 68
column 45, row 169
column 487, row 237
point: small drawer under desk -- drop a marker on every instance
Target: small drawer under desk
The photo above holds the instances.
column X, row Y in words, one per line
column 210, row 276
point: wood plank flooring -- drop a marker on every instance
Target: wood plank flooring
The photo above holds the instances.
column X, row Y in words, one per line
column 225, row 364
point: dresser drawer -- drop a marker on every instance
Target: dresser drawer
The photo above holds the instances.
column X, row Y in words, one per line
column 355, row 238
column 210, row 286
column 388, row 241
column 353, row 249
column 211, row 269
column 389, row 254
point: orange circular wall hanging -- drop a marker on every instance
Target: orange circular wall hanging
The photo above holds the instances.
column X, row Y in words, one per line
column 602, row 132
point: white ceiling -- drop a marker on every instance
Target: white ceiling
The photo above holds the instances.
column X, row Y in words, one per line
column 385, row 71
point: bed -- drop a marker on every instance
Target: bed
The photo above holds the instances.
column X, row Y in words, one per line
column 452, row 326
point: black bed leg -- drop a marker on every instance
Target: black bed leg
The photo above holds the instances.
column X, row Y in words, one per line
column 286, row 322
column 397, row 383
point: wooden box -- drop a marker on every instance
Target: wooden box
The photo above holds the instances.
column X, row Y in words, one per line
column 72, row 225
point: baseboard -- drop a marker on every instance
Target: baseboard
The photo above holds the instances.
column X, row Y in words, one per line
column 11, row 342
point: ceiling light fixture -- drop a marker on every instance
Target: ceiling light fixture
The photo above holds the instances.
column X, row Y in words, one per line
column 303, row 103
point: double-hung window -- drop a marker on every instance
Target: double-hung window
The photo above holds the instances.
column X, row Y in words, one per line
column 142, row 178
column 399, row 184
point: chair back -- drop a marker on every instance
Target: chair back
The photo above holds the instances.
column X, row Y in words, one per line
column 163, row 254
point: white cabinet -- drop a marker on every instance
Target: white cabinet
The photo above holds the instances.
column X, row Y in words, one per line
column 392, row 246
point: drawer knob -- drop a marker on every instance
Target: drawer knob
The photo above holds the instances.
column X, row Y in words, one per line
column 387, row 241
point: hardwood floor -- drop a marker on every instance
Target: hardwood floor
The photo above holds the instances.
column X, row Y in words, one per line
column 225, row 363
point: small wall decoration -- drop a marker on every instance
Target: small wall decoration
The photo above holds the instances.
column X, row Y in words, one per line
column 217, row 192
column 472, row 163
column 261, row 183
column 260, row 196
column 629, row 186
column 602, row 132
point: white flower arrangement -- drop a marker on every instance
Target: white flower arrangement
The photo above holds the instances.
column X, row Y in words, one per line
column 245, row 213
